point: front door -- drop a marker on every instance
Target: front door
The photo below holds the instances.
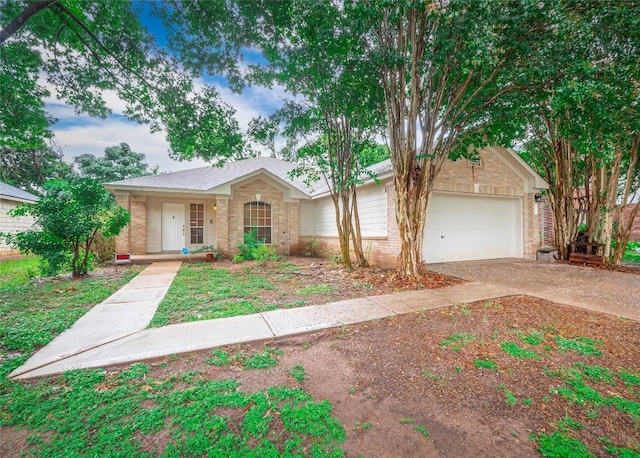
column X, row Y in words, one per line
column 173, row 228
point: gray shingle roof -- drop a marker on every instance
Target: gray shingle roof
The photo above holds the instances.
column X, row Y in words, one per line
column 6, row 190
column 206, row 178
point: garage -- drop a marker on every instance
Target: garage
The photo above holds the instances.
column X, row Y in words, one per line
column 465, row 227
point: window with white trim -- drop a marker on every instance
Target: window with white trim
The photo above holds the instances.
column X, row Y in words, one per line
column 196, row 223
column 258, row 215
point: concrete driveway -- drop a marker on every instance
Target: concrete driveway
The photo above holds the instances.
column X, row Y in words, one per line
column 616, row 293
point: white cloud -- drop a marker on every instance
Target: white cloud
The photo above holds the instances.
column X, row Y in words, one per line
column 82, row 134
column 92, row 136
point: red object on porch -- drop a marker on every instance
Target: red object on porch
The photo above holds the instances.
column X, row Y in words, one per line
column 123, row 258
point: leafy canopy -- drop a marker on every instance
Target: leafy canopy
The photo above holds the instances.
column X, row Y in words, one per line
column 118, row 163
column 82, row 51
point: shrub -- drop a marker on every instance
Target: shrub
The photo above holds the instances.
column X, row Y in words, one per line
column 251, row 248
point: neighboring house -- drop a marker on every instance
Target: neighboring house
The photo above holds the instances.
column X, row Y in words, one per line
column 10, row 198
column 479, row 210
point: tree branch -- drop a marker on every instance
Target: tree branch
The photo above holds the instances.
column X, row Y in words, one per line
column 23, row 17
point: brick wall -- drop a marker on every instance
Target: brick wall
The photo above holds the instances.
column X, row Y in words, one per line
column 285, row 217
column 493, row 178
column 138, row 209
column 11, row 225
column 635, row 231
column 123, row 239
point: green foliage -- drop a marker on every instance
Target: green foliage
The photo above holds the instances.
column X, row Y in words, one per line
column 34, row 313
column 298, row 373
column 252, row 248
column 582, row 345
column 97, row 413
column 264, row 360
column 219, row 358
column 104, row 48
column 118, row 163
column 268, row 358
column 199, row 292
column 457, row 341
column 486, row 364
column 535, row 337
column 29, row 169
column 422, row 429
column 560, row 445
column 316, row 289
column 517, row 351
column 14, row 272
column 68, row 218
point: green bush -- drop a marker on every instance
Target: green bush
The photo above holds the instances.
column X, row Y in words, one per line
column 252, row 248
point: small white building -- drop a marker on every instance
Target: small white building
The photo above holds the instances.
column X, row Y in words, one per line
column 10, row 198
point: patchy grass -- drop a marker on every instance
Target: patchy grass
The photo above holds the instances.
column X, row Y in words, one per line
column 19, row 271
column 457, row 341
column 201, row 293
column 631, row 256
column 34, row 313
column 268, row 357
column 96, row 413
column 315, row 289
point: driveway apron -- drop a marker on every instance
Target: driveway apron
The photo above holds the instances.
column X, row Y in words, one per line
column 600, row 290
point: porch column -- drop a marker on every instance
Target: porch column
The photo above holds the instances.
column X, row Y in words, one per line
column 124, row 237
column 222, row 225
column 138, row 241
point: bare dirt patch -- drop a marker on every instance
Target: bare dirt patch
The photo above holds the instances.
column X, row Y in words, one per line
column 404, row 386
column 300, row 274
column 444, row 382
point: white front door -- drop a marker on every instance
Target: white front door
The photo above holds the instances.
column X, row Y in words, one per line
column 173, row 227
column 463, row 227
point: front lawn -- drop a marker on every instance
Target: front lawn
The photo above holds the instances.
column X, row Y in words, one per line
column 206, row 291
column 515, row 376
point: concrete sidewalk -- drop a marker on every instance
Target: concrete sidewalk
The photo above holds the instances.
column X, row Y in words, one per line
column 114, row 331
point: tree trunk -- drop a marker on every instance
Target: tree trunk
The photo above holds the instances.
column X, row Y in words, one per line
column 356, row 234
column 412, row 200
column 629, row 195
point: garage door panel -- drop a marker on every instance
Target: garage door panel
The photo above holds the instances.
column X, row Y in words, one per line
column 468, row 227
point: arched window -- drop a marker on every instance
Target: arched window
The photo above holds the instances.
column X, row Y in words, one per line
column 258, row 215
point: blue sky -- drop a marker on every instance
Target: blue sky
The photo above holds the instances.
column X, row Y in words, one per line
column 80, row 134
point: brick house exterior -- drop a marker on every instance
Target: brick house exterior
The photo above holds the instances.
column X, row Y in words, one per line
column 10, row 198
column 214, row 207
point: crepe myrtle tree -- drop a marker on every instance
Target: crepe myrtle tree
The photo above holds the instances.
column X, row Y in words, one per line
column 68, row 217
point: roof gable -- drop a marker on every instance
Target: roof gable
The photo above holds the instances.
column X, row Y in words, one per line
column 212, row 179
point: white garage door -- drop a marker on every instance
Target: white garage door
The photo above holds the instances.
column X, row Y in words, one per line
column 468, row 227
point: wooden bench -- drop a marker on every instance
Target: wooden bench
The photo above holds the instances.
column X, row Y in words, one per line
column 587, row 253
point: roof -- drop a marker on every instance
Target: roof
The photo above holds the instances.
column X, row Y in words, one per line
column 13, row 193
column 217, row 180
column 207, row 179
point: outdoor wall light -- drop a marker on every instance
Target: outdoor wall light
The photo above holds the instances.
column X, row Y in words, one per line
column 537, row 198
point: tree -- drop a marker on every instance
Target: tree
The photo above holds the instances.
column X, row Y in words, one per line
column 118, row 163
column 318, row 58
column 584, row 129
column 443, row 66
column 311, row 49
column 30, row 169
column 68, row 217
column 85, row 49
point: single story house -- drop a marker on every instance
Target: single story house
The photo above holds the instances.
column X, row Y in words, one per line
column 480, row 210
column 10, row 198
